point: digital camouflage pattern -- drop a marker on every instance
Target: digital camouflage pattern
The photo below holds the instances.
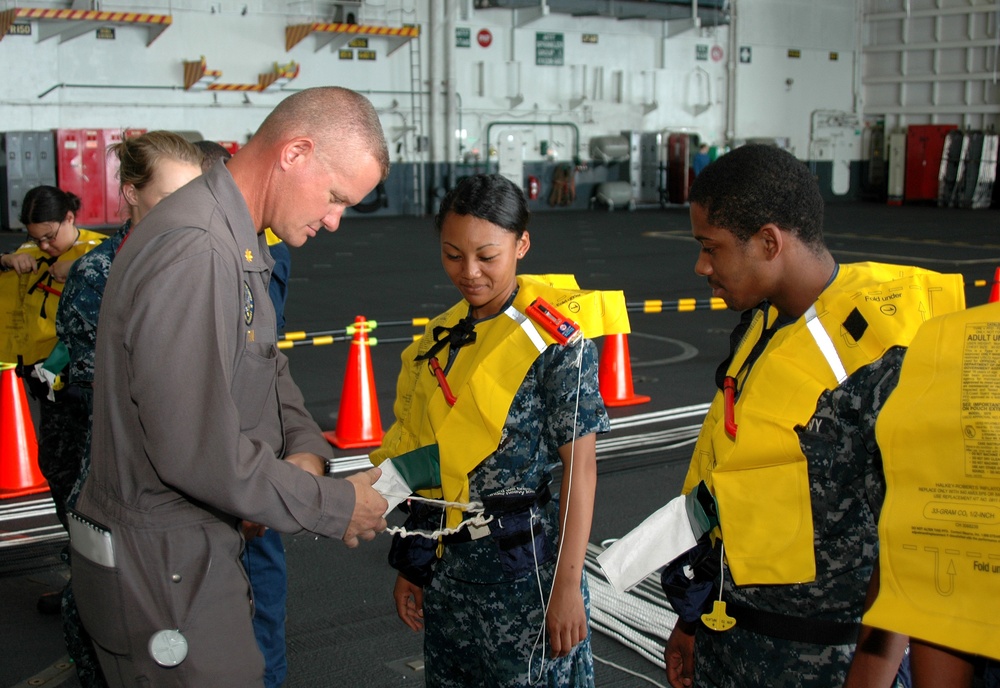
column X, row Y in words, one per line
column 81, row 440
column 57, row 438
column 847, row 488
column 76, row 321
column 483, row 635
column 484, row 611
column 79, row 645
column 76, row 326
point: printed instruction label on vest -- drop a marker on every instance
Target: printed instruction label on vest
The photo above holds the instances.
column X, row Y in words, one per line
column 970, row 509
column 981, row 399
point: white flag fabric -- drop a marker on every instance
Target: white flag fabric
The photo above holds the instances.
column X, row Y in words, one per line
column 662, row 537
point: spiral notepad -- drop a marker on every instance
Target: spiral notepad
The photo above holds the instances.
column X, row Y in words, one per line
column 91, row 540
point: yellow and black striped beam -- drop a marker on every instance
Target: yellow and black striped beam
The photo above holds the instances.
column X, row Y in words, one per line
column 69, row 24
column 338, row 34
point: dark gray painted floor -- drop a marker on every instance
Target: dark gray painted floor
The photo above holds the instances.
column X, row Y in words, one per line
column 342, row 628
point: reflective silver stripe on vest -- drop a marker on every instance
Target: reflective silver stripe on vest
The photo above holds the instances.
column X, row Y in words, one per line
column 529, row 329
column 825, row 344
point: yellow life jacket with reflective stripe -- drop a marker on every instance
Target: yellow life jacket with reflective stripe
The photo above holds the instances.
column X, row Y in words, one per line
column 484, row 377
column 28, row 303
column 760, row 478
column 939, row 532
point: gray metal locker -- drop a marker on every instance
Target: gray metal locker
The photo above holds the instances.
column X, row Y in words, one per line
column 644, row 164
column 28, row 161
column 653, row 153
column 897, row 167
column 634, row 161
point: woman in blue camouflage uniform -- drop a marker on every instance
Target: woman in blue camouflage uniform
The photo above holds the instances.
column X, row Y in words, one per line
column 483, row 597
column 153, row 166
column 39, row 268
column 54, row 242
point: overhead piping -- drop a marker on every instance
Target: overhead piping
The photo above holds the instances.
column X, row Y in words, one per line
column 131, row 87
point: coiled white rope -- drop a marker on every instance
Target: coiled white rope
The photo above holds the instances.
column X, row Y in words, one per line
column 640, row 619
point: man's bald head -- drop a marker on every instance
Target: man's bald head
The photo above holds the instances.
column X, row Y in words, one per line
column 337, row 119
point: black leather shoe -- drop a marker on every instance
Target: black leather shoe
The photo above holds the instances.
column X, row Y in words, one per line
column 50, row 603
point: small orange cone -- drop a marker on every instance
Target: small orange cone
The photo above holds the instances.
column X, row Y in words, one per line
column 358, row 421
column 615, row 373
column 19, row 474
column 995, row 291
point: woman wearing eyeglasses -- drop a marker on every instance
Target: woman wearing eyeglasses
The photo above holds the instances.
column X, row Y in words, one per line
column 30, row 299
column 31, row 282
column 54, row 241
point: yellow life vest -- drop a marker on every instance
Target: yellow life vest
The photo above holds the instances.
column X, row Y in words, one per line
column 939, row 533
column 484, row 378
column 28, row 303
column 760, row 478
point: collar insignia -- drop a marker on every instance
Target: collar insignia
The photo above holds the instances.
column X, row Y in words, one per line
column 249, row 256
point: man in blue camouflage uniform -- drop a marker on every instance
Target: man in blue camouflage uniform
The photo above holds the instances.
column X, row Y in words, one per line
column 802, row 388
column 842, row 454
column 264, row 553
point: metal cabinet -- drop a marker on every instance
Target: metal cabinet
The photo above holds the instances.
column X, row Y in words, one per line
column 81, row 166
column 28, row 161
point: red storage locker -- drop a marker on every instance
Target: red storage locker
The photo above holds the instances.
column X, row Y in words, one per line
column 115, row 210
column 924, row 144
column 80, row 166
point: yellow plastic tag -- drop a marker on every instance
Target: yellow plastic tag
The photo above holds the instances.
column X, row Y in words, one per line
column 718, row 620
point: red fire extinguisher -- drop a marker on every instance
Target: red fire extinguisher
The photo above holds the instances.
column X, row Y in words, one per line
column 533, row 187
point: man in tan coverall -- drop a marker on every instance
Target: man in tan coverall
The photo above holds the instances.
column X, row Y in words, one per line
column 194, row 406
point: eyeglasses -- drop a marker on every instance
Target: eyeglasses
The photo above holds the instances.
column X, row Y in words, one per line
column 48, row 238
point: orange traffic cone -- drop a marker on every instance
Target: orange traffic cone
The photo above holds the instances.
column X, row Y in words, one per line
column 615, row 373
column 358, row 421
column 19, row 474
column 995, row 291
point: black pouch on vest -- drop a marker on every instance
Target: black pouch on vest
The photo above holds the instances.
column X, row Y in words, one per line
column 414, row 557
column 691, row 580
column 522, row 544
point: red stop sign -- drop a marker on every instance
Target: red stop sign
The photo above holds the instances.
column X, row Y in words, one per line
column 484, row 37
